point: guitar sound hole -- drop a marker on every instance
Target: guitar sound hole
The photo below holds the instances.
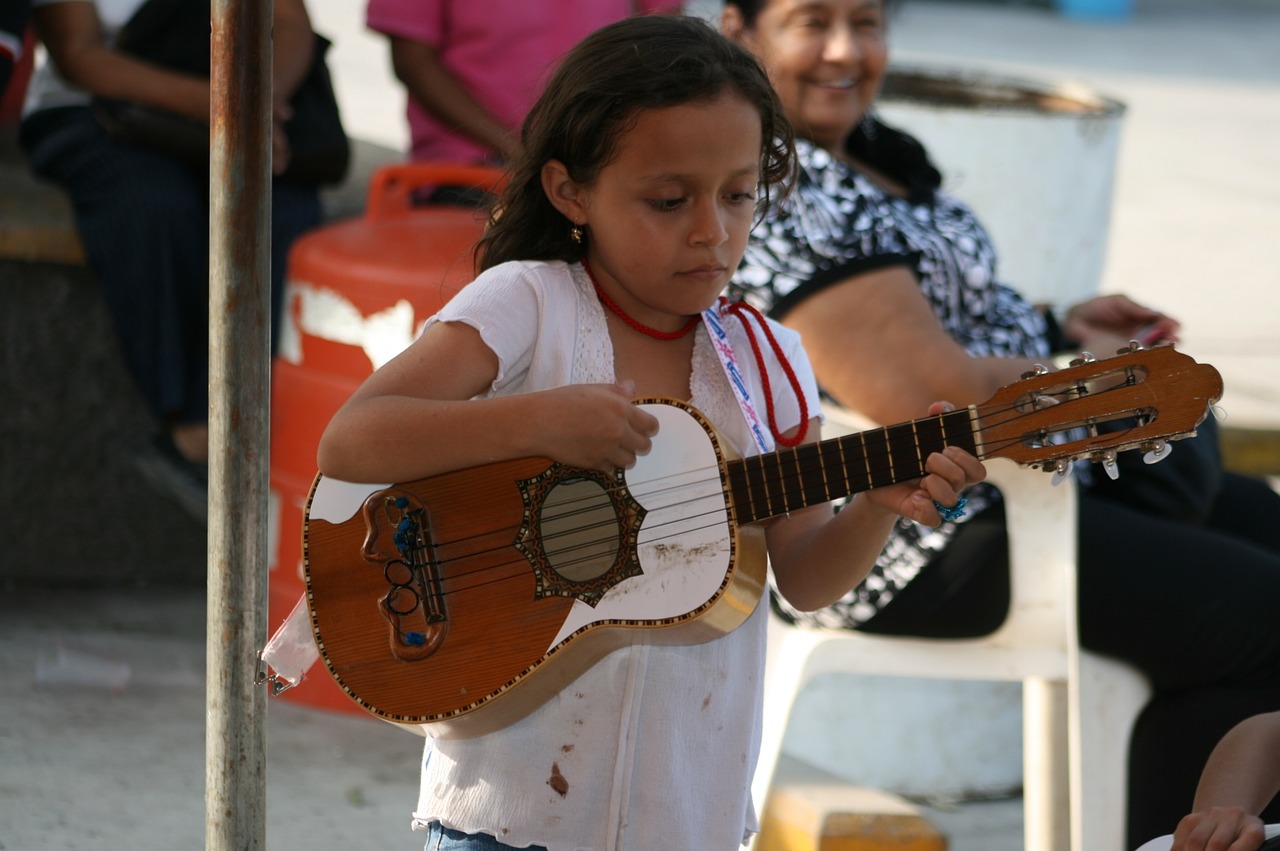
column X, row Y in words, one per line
column 579, row 530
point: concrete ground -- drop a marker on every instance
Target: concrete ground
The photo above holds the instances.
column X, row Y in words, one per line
column 1196, row 231
column 102, row 742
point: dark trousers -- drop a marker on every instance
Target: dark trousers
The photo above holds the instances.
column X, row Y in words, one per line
column 1196, row 608
column 143, row 218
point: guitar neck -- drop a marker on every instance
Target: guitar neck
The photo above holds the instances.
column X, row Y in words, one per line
column 776, row 483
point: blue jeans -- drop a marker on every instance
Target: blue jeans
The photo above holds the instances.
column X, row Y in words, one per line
column 441, row 838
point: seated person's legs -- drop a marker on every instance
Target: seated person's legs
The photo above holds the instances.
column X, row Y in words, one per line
column 143, row 220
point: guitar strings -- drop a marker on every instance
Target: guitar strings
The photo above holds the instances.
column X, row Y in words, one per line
column 990, row 416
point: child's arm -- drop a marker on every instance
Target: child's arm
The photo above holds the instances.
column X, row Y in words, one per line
column 416, row 417
column 816, row 557
column 1240, row 777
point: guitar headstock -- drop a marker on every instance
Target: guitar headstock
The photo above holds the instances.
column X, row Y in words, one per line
column 1137, row 399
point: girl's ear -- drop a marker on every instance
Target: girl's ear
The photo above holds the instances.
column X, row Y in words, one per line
column 562, row 192
column 731, row 24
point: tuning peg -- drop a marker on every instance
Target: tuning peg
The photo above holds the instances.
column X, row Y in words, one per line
column 1134, row 346
column 1109, row 464
column 1219, row 413
column 1084, row 358
column 1158, row 451
column 1038, row 369
column 1061, row 471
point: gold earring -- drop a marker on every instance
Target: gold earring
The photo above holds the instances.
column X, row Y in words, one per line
column 575, row 233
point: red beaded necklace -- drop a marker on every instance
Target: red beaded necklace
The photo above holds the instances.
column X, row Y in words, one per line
column 617, row 311
column 744, row 311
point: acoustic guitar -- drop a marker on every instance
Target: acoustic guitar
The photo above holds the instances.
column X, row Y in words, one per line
column 465, row 600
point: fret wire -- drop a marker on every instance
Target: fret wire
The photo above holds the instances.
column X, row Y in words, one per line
column 915, row 444
column 817, row 472
column 782, row 479
column 957, row 430
column 821, row 451
column 879, row 449
column 756, row 488
column 866, row 458
column 844, row 466
column 811, row 474
column 758, row 462
column 741, row 490
column 781, row 484
column 903, row 456
column 788, row 459
column 932, row 436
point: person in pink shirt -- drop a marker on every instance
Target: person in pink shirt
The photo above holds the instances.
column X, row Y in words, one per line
column 473, row 68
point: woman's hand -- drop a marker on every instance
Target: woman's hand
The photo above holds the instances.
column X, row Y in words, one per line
column 1107, row 323
column 947, row 474
column 1219, row 829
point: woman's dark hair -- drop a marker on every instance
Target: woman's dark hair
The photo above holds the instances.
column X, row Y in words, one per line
column 594, row 97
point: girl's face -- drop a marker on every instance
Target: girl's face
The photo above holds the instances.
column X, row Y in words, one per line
column 668, row 218
column 826, row 58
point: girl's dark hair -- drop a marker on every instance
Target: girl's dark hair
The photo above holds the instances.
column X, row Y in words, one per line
column 594, row 97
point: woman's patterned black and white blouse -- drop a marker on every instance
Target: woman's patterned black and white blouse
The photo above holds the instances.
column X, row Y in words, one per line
column 837, row 224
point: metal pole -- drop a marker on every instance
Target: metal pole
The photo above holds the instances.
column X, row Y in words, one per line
column 239, row 363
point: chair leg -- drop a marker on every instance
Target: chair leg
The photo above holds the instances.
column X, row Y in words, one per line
column 1112, row 695
column 1045, row 766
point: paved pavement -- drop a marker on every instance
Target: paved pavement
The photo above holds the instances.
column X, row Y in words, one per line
column 1196, row 230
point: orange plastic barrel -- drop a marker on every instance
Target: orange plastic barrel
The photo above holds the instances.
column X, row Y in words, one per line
column 356, row 292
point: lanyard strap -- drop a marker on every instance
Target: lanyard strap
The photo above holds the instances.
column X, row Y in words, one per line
column 711, row 317
column 724, row 349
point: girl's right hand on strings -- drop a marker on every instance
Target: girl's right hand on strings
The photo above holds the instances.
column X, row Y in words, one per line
column 596, row 426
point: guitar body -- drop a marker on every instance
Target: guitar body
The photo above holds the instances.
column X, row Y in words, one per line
column 434, row 598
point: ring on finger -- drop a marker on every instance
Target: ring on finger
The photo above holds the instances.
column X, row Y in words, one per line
column 955, row 512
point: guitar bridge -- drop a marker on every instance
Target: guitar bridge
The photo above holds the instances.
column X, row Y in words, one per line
column 414, row 601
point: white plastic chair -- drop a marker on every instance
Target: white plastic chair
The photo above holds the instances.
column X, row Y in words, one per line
column 1078, row 707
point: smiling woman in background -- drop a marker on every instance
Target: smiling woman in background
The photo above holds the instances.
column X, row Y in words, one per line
column 872, row 263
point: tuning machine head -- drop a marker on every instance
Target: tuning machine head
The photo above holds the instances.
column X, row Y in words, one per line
column 1038, row 369
column 1153, row 453
column 1107, row 460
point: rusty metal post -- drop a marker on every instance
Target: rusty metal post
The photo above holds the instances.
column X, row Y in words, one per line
column 239, row 364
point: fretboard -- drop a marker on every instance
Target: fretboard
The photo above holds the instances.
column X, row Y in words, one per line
column 768, row 485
